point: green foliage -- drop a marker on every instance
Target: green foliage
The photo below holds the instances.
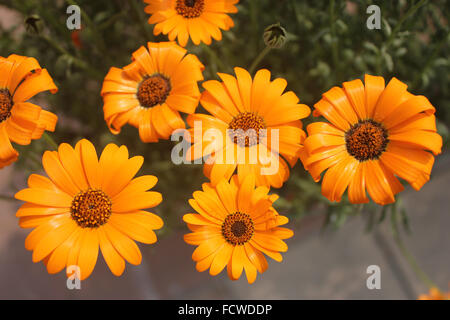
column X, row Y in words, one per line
column 328, row 43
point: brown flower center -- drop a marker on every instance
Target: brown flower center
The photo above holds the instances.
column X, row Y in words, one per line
column 153, row 90
column 190, row 8
column 6, row 104
column 245, row 129
column 238, row 228
column 366, row 140
column 91, row 208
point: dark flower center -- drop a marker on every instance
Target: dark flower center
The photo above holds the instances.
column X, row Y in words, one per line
column 366, row 140
column 245, row 129
column 238, row 228
column 153, row 90
column 91, row 208
column 6, row 104
column 190, row 8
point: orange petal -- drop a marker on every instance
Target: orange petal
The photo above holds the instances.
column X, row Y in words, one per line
column 55, row 170
column 89, row 160
column 7, row 153
column 356, row 95
column 374, row 86
column 58, row 258
column 208, row 247
column 237, row 262
column 45, row 197
column 394, row 94
column 258, row 259
column 357, row 186
column 245, row 193
column 419, row 139
column 337, row 178
column 53, row 239
column 147, row 131
column 331, row 114
column 33, row 84
column 139, row 201
column 221, row 259
column 126, row 247
column 270, row 242
column 337, row 97
column 113, row 259
column 134, row 228
column 72, row 165
column 88, row 255
column 408, row 109
column 377, row 184
column 227, row 196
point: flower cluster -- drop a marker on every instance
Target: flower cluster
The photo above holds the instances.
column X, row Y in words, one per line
column 251, row 136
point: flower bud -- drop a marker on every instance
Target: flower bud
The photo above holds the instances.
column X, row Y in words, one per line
column 275, row 36
column 33, row 24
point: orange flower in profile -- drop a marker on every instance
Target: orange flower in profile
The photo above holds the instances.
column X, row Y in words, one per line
column 88, row 204
column 259, row 125
column 198, row 19
column 435, row 294
column 150, row 92
column 21, row 78
column 376, row 134
column 234, row 225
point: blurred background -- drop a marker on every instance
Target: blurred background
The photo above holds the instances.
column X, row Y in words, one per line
column 334, row 243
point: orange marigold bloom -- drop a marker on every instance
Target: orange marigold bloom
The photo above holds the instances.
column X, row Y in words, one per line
column 234, row 225
column 21, row 78
column 264, row 114
column 198, row 19
column 86, row 204
column 150, row 92
column 376, row 134
column 435, row 294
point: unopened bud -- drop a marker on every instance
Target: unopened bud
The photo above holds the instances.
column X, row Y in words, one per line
column 33, row 24
column 275, row 36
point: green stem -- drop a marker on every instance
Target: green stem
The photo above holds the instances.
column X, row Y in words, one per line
column 394, row 32
column 110, row 21
column 258, row 59
column 215, row 57
column 79, row 63
column 7, row 197
column 413, row 263
column 254, row 6
column 334, row 43
column 52, row 144
column 405, row 252
column 429, row 61
column 143, row 23
column 397, row 27
column 378, row 67
column 91, row 25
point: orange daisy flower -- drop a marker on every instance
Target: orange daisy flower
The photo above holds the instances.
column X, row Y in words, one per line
column 150, row 92
column 376, row 134
column 21, row 78
column 257, row 123
column 198, row 19
column 234, row 225
column 87, row 204
column 435, row 294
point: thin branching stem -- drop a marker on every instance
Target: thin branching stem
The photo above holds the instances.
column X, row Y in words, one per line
column 394, row 32
column 406, row 253
column 52, row 144
column 76, row 61
column 258, row 59
column 95, row 32
column 334, row 39
column 142, row 22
